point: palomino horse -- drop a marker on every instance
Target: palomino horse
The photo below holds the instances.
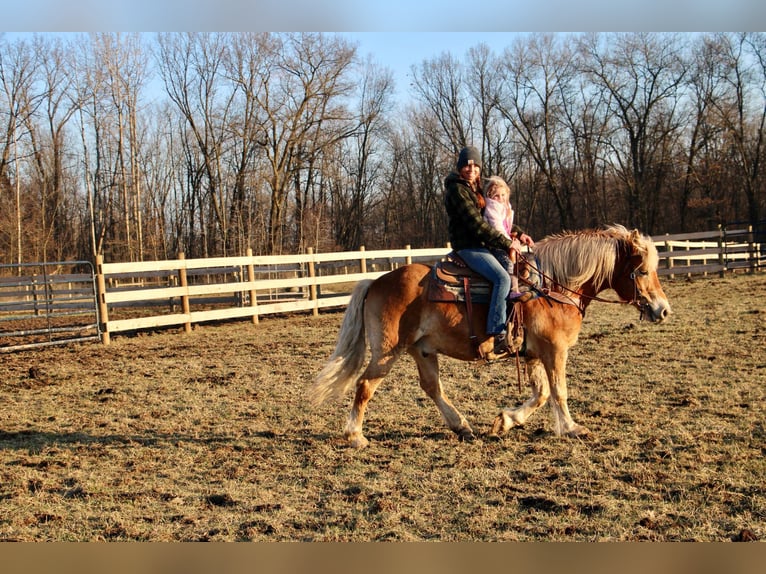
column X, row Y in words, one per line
column 396, row 315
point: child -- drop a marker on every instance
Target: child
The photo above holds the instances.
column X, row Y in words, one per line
column 499, row 214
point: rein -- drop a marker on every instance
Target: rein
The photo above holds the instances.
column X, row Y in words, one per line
column 548, row 280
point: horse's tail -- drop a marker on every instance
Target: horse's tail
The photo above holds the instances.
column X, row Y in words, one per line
column 340, row 371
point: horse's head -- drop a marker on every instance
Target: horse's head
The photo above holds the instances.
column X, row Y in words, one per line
column 635, row 278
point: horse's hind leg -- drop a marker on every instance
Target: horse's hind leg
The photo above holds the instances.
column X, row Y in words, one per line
column 428, row 369
column 372, row 376
column 538, row 381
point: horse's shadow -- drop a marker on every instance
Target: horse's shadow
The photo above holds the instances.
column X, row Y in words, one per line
column 36, row 440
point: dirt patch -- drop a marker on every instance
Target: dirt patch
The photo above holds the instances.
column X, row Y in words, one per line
column 208, row 436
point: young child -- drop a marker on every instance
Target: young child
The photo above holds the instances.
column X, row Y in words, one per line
column 499, row 214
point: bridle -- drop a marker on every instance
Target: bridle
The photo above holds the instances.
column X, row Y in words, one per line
column 638, row 300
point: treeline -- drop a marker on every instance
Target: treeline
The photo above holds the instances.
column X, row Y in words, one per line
column 141, row 146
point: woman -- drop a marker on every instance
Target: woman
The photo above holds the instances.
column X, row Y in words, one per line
column 472, row 238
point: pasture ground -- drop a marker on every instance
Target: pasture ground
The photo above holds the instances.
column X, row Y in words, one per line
column 208, row 436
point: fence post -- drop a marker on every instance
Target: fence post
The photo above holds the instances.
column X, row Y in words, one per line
column 752, row 256
column 185, row 308
column 35, row 297
column 669, row 259
column 312, row 286
column 103, row 309
column 362, row 261
column 721, row 253
column 408, row 258
column 251, row 279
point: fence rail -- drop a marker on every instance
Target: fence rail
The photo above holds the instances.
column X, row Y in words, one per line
column 214, row 289
column 710, row 252
column 183, row 292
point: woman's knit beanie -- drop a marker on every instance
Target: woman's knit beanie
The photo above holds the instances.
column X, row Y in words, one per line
column 466, row 154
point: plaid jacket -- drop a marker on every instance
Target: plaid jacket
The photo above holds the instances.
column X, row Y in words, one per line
column 466, row 226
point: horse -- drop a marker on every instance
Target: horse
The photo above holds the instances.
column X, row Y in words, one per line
column 395, row 314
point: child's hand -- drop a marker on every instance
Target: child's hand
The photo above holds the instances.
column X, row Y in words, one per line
column 526, row 240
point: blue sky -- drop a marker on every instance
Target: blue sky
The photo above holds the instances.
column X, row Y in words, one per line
column 400, row 50
column 397, row 33
column 384, row 15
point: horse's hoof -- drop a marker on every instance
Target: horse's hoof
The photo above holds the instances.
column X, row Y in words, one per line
column 494, row 437
column 358, row 442
column 501, row 425
column 466, row 435
column 578, row 431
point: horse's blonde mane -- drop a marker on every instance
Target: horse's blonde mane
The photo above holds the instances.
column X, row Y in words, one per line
column 573, row 259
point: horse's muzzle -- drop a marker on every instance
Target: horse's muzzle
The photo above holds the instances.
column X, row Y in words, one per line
column 656, row 312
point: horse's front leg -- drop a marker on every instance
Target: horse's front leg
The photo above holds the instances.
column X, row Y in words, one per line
column 538, row 382
column 564, row 424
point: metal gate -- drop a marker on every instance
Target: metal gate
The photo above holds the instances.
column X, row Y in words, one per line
column 47, row 304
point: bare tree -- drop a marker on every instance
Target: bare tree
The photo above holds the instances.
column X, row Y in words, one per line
column 18, row 71
column 440, row 84
column 191, row 65
column 538, row 72
column 123, row 70
column 48, row 148
column 303, row 114
column 362, row 157
column 586, row 128
column 640, row 75
column 245, row 64
column 484, row 84
column 702, row 193
column 743, row 113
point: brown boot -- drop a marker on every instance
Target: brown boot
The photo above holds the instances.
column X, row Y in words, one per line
column 501, row 345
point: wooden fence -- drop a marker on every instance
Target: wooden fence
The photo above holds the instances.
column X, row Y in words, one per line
column 709, row 252
column 197, row 290
column 182, row 292
column 188, row 291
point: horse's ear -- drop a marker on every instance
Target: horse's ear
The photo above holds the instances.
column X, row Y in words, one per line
column 634, row 236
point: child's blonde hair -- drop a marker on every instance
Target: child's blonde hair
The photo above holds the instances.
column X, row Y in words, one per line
column 492, row 182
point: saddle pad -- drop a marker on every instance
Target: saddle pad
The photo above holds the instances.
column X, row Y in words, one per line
column 452, row 289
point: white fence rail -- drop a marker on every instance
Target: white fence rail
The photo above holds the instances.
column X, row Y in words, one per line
column 154, row 294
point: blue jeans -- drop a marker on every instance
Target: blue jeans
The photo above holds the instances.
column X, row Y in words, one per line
column 483, row 262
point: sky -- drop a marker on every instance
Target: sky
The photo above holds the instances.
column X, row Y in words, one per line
column 398, row 51
column 396, row 33
column 384, row 15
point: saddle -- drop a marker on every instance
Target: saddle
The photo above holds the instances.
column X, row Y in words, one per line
column 452, row 281
column 452, row 278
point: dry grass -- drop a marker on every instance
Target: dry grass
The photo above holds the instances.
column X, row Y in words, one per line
column 207, row 436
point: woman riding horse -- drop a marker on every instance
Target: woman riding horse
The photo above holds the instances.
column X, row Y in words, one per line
column 472, row 238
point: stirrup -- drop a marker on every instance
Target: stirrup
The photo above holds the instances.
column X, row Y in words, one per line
column 520, row 296
column 503, row 348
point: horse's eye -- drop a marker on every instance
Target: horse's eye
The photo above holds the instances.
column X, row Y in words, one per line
column 639, row 272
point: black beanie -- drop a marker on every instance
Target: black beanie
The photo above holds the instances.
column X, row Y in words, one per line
column 466, row 154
